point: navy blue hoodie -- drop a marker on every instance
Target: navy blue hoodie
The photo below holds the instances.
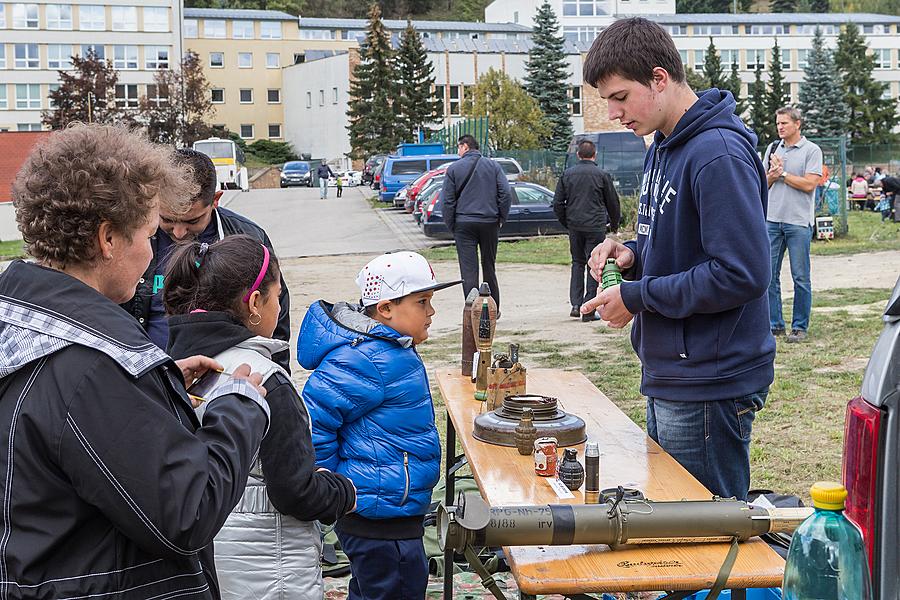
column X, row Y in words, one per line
column 698, row 285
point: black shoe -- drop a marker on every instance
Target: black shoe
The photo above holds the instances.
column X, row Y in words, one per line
column 591, row 316
column 575, row 312
column 796, row 336
column 778, row 331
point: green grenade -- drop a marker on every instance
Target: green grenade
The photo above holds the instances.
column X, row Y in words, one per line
column 611, row 274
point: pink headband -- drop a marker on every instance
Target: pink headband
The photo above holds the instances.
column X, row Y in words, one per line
column 262, row 274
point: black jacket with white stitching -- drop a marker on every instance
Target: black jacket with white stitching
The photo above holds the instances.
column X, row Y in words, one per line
column 110, row 486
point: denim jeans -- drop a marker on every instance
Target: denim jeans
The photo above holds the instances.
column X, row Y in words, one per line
column 323, row 187
column 711, row 439
column 795, row 239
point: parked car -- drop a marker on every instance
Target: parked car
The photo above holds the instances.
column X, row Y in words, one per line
column 376, row 177
column 871, row 464
column 297, row 172
column 417, row 186
column 397, row 171
column 424, row 197
column 531, row 213
column 368, row 172
column 348, row 178
column 400, row 197
column 510, row 166
column 619, row 153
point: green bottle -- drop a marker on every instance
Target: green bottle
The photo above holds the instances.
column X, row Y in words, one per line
column 611, row 274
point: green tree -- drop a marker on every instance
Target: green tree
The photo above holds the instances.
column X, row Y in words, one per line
column 469, row 10
column 416, row 104
column 782, row 6
column 515, row 119
column 761, row 120
column 872, row 116
column 179, row 111
column 779, row 91
column 820, row 6
column 733, row 85
column 86, row 93
column 695, row 80
column 712, row 67
column 374, row 127
column 825, row 113
column 271, row 152
column 547, row 73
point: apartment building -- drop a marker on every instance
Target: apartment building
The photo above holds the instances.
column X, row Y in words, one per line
column 244, row 53
column 38, row 39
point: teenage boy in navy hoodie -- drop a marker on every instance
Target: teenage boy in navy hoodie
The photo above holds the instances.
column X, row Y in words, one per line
column 698, row 272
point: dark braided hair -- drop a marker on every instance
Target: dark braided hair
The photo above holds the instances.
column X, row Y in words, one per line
column 227, row 270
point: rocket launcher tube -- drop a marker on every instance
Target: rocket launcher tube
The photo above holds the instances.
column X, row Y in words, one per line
column 628, row 522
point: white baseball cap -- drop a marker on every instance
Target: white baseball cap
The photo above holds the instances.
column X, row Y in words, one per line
column 395, row 275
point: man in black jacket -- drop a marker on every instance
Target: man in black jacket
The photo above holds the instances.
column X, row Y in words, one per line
column 585, row 201
column 476, row 199
column 206, row 222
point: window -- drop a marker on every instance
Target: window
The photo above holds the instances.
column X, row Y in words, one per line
column 321, row 97
column 156, row 57
column 439, row 91
column 766, row 30
column 676, row 29
column 156, row 18
column 273, row 60
column 99, row 51
column 216, row 59
column 715, row 29
column 28, row 126
column 409, row 167
column 584, row 8
column 218, row 95
column 214, row 28
column 59, row 16
column 91, row 17
column 785, row 59
column 356, row 35
column 756, row 58
column 3, row 24
column 190, row 28
column 274, row 130
column 125, row 57
column 59, row 56
column 25, row 16
column 127, row 95
column 730, row 57
column 878, row 29
column 270, row 30
column 308, row 99
column 811, row 29
column 316, row 34
column 242, row 30
column 583, row 33
column 51, row 88
column 28, row 95
column 246, row 131
column 516, row 17
column 530, row 195
column 2, row 59
column 157, row 96
column 273, row 96
column 334, row 95
column 882, row 58
column 245, row 60
column 3, row 96
column 575, row 96
column 27, row 56
column 699, row 60
column 124, row 18
column 684, row 58
column 802, row 58
column 246, row 96
column 454, row 101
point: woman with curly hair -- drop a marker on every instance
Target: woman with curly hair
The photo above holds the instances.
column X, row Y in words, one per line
column 110, row 485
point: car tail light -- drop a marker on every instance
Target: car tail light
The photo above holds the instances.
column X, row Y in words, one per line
column 431, row 206
column 378, row 177
column 861, row 468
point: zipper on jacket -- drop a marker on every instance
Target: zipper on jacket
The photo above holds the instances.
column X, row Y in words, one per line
column 406, row 472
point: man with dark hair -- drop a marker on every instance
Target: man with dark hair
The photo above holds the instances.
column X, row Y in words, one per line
column 696, row 276
column 584, row 202
column 206, row 222
column 476, row 199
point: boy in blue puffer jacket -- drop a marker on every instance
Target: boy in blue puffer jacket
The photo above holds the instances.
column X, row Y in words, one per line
column 373, row 419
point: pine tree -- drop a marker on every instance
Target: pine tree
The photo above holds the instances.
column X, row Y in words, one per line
column 180, row 111
column 470, row 10
column 761, row 120
column 733, row 85
column 695, row 80
column 779, row 91
column 373, row 116
column 745, row 5
column 515, row 121
column 546, row 78
column 825, row 114
column 416, row 104
column 86, row 93
column 782, row 6
column 872, row 117
column 712, row 67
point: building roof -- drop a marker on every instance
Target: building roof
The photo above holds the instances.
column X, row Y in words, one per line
column 14, row 149
column 311, row 55
column 773, row 18
column 466, row 45
column 396, row 24
column 239, row 14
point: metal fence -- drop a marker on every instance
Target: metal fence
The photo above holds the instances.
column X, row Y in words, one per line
column 858, row 156
column 477, row 127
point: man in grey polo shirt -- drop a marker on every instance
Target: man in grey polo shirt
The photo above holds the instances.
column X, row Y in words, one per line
column 793, row 169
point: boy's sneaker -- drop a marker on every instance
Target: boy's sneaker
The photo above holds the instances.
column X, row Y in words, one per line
column 797, row 335
column 778, row 331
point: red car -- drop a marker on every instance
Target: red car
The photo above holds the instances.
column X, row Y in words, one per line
column 418, row 185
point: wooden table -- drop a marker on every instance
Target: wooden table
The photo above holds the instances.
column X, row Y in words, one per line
column 628, row 458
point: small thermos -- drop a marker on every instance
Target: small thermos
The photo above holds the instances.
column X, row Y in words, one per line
column 571, row 473
column 526, row 433
column 591, row 473
column 611, row 274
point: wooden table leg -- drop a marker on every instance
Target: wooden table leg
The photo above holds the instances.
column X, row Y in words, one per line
column 739, row 594
column 449, row 492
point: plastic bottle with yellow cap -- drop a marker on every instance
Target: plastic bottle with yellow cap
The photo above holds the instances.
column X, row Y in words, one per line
column 827, row 557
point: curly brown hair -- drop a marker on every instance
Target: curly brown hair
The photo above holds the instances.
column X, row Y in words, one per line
column 85, row 175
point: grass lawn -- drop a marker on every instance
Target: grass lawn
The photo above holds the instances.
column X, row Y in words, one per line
column 12, row 249
column 797, row 438
column 866, row 234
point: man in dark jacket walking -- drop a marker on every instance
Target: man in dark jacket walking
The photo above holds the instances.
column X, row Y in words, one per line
column 324, row 172
column 584, row 202
column 476, row 204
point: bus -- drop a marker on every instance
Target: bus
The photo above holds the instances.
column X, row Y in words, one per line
column 229, row 161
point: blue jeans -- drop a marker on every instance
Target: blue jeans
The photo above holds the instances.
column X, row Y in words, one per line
column 323, row 187
column 795, row 239
column 385, row 569
column 711, row 439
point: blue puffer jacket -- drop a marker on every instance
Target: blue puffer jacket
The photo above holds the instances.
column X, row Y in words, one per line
column 371, row 410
